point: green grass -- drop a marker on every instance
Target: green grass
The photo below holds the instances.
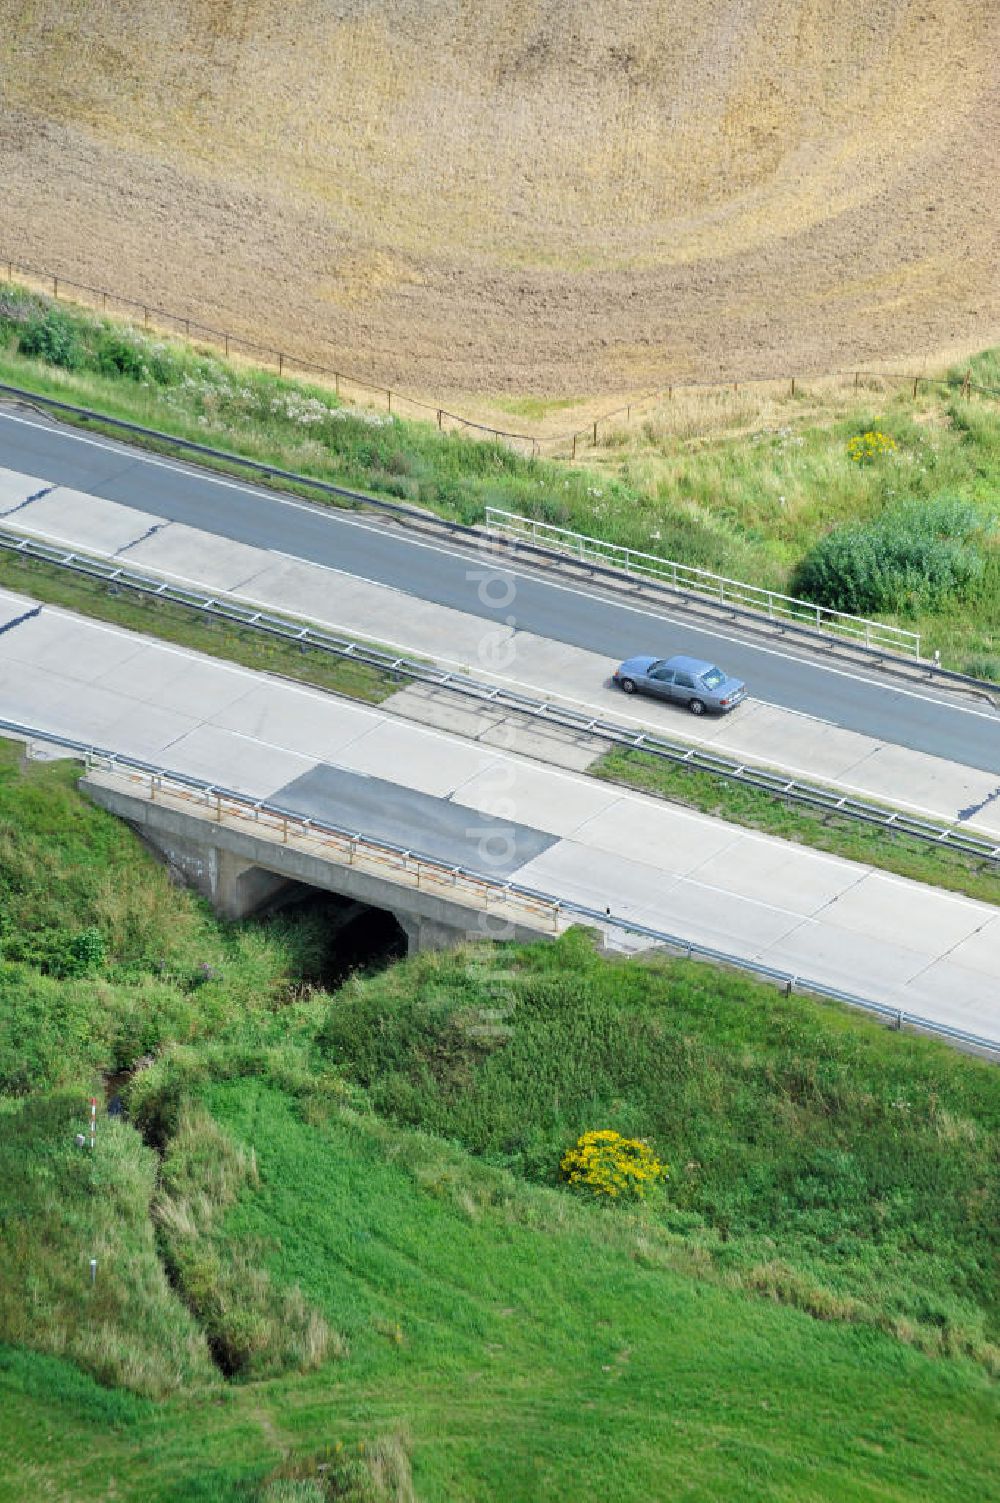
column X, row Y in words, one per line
column 809, row 1312
column 190, row 628
column 810, row 1154
column 748, row 499
column 756, row 810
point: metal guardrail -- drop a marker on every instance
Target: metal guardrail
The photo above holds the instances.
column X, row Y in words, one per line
column 463, row 534
column 235, row 804
column 770, row 603
column 549, row 712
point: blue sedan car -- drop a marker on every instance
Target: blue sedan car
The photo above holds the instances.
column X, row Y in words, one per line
column 685, row 681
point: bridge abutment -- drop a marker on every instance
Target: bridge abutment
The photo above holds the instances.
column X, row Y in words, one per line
column 241, row 872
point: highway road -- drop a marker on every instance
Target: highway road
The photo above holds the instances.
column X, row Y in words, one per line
column 578, row 839
column 929, row 720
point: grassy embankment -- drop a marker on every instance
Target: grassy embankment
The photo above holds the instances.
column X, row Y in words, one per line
column 747, row 486
column 329, row 1229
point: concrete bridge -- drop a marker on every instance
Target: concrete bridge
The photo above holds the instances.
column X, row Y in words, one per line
column 244, row 857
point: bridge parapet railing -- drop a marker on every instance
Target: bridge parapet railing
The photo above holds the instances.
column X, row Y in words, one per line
column 513, row 527
column 331, row 842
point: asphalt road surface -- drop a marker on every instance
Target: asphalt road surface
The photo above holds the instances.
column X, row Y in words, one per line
column 931, row 720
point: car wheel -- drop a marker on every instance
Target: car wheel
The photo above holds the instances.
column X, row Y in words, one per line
column 628, row 685
column 696, row 707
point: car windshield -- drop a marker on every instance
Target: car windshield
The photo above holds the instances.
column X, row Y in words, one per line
column 713, row 677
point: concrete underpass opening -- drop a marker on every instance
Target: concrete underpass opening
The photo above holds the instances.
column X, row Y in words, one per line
column 330, row 936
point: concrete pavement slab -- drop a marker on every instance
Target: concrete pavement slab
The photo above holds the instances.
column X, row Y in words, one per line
column 736, row 925
column 414, row 757
column 166, row 676
column 801, row 881
column 236, row 762
column 863, row 965
column 537, row 796
column 596, row 879
column 62, row 643
column 13, row 607
column 83, row 522
column 429, row 706
column 760, row 732
column 666, row 838
column 214, row 563
column 882, row 904
column 70, row 707
column 953, row 995
column 549, row 744
column 15, row 488
column 280, row 714
column 981, row 951
column 895, row 775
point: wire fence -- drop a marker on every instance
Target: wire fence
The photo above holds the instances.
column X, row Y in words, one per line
column 152, row 316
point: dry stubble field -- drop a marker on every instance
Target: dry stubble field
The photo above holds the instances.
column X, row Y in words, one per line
column 519, row 197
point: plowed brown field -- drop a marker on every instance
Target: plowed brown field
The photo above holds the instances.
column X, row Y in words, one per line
column 519, row 196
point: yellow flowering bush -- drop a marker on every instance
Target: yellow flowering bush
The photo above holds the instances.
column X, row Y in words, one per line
column 605, row 1163
column 863, row 448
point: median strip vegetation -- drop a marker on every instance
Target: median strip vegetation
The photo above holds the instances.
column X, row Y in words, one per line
column 336, row 1241
column 191, row 628
column 772, row 491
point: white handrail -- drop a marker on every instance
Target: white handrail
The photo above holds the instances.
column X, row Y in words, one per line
column 733, row 592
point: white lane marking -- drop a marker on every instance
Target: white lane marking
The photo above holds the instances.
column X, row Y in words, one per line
column 313, row 692
column 342, row 515
column 791, row 768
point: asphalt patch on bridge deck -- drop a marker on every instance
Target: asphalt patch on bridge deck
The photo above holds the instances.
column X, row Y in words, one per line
column 426, row 825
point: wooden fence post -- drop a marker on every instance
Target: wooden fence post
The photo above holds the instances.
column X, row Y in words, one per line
column 574, row 446
column 389, row 395
column 55, row 287
column 281, row 364
column 793, row 386
column 595, row 430
column 915, row 381
column 439, row 418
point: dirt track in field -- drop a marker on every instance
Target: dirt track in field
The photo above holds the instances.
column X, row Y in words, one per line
column 519, row 196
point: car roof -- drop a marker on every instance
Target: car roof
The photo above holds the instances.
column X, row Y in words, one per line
column 683, row 664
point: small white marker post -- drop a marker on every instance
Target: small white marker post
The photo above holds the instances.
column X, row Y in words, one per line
column 93, row 1121
column 93, row 1270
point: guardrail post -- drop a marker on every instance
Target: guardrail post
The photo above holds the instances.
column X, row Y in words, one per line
column 218, row 808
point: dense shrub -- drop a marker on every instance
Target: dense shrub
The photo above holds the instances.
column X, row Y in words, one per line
column 51, row 336
column 915, row 556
